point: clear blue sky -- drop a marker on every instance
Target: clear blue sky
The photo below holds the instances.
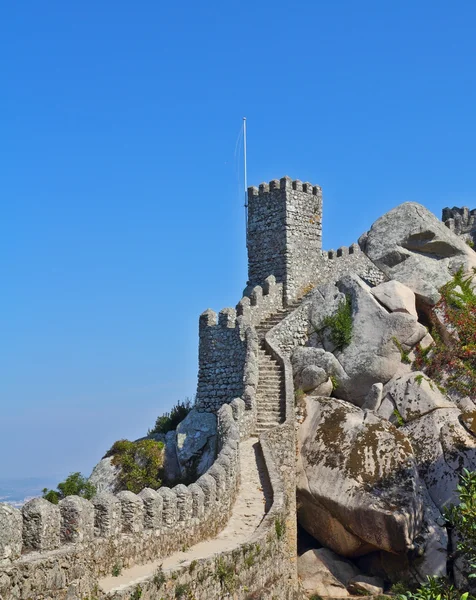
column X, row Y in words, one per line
column 121, row 214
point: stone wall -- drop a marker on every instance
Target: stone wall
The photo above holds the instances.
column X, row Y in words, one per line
column 284, row 235
column 46, row 550
column 462, row 221
column 221, row 358
column 337, row 263
column 263, row 568
column 259, row 302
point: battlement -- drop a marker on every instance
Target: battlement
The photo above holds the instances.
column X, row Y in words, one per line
column 285, row 183
column 343, row 251
column 284, row 233
column 140, row 527
column 461, row 221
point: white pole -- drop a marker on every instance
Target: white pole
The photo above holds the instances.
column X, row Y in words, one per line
column 246, row 180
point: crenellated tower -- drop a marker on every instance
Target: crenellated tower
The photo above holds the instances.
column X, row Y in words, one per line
column 284, row 236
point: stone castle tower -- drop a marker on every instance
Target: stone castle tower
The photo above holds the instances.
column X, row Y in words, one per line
column 284, row 235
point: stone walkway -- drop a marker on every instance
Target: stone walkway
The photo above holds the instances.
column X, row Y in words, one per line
column 248, row 511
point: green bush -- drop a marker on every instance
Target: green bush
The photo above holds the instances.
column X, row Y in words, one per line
column 452, row 361
column 169, row 421
column 141, row 464
column 340, row 324
column 74, row 485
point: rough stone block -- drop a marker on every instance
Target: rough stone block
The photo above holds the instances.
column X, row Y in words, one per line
column 153, row 505
column 209, row 487
column 107, row 518
column 41, row 525
column 132, row 512
column 169, row 511
column 11, row 524
column 77, row 519
column 219, row 475
column 184, row 503
column 198, row 501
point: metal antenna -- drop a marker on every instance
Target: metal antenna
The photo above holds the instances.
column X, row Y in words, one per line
column 246, row 178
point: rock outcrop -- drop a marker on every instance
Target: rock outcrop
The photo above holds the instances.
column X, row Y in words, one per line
column 410, row 245
column 358, row 484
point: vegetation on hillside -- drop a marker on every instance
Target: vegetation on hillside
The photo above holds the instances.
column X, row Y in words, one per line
column 140, row 464
column 451, row 361
column 462, row 518
column 74, row 485
column 340, row 324
column 169, row 420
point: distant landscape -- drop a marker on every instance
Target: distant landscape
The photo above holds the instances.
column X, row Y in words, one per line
column 18, row 491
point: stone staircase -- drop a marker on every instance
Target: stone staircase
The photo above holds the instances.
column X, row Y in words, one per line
column 270, row 395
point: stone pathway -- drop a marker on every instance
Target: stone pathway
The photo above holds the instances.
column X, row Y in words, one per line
column 248, row 511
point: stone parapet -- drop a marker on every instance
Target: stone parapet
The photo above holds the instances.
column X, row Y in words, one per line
column 47, row 550
column 461, row 221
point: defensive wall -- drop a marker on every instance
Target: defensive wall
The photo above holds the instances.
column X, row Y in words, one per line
column 461, row 221
column 60, row 552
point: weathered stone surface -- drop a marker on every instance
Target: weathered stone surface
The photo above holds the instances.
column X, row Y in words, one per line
column 107, row 519
column 374, row 397
column 132, row 512
column 153, row 505
column 316, row 578
column 41, row 525
column 358, row 485
column 396, row 297
column 409, row 244
column 310, row 378
column 104, row 475
column 443, row 447
column 365, row 585
column 11, row 523
column 374, row 352
column 77, row 519
column 414, row 395
column 196, row 443
column 341, row 568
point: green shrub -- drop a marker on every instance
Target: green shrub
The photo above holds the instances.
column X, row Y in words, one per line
column 141, row 464
column 340, row 324
column 280, row 527
column 225, row 574
column 404, row 356
column 169, row 421
column 462, row 518
column 398, row 418
column 299, row 396
column 74, row 485
column 116, row 570
column 452, row 361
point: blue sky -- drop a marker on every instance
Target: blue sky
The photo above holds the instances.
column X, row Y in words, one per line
column 122, row 214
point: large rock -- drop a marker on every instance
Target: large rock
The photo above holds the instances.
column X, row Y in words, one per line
column 316, row 578
column 443, row 447
column 196, row 443
column 342, row 569
column 409, row 244
column 358, row 485
column 105, row 476
column 412, row 395
column 396, row 297
column 378, row 342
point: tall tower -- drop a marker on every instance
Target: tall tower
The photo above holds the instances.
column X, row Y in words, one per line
column 284, row 235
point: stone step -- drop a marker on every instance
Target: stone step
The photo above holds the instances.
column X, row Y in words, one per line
column 263, row 428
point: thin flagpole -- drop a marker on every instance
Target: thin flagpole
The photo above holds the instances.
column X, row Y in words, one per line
column 246, row 178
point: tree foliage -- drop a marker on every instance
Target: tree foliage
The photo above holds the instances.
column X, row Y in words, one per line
column 74, row 485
